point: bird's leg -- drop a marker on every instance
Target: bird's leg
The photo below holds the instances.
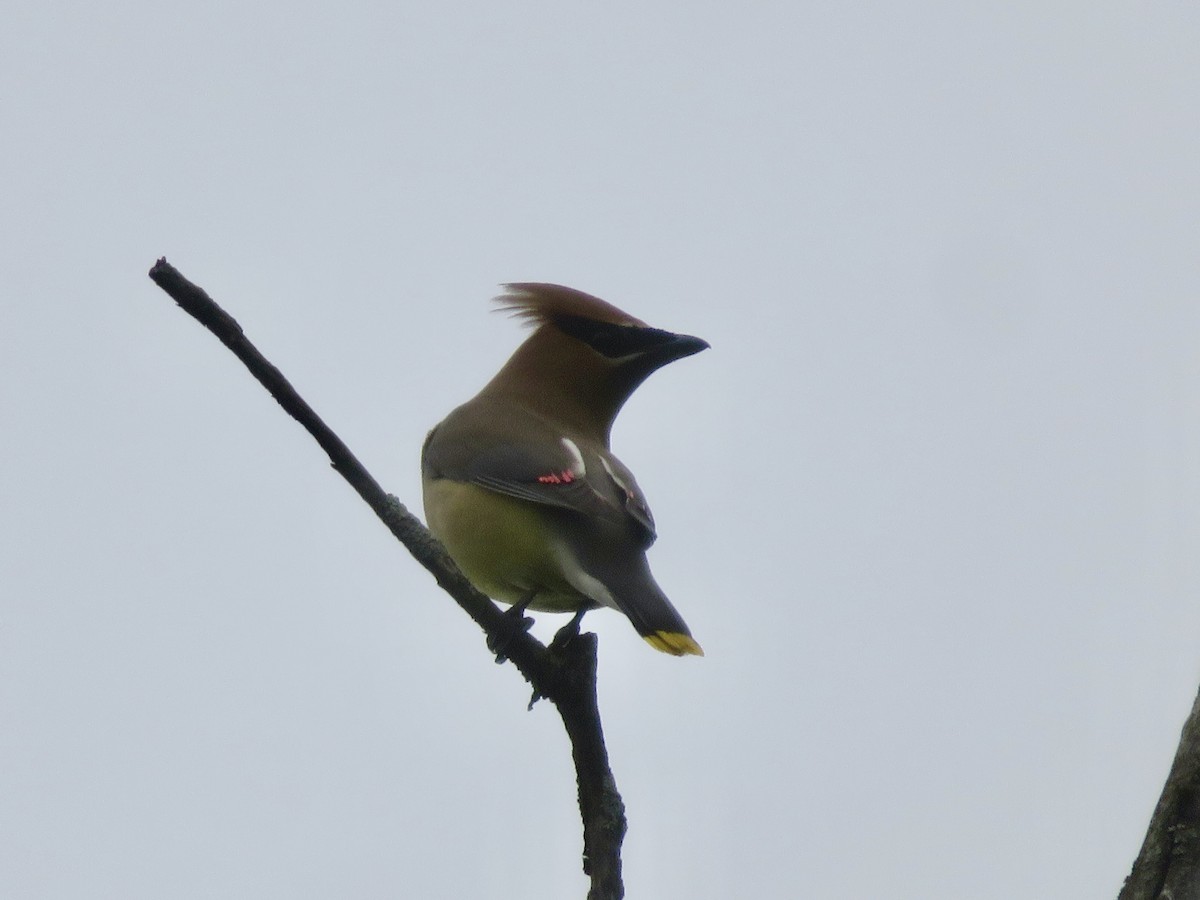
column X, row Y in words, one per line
column 517, row 623
column 570, row 631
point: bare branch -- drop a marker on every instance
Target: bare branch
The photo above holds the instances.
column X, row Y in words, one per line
column 564, row 675
column 1168, row 865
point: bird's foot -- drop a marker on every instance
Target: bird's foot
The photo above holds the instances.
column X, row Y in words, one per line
column 567, row 633
column 516, row 623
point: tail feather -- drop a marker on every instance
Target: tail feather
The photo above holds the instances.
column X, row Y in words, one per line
column 638, row 595
column 673, row 642
column 619, row 577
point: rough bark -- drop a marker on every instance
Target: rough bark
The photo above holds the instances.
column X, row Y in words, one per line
column 1168, row 866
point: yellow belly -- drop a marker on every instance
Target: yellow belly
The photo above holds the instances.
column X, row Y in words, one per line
column 502, row 544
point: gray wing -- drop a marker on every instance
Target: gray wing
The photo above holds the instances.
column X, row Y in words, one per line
column 593, row 484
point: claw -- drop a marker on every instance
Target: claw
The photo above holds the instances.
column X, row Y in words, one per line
column 517, row 623
column 568, row 632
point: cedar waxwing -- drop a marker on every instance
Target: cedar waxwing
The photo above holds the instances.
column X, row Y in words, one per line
column 519, row 482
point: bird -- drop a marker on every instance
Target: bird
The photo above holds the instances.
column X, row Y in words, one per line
column 521, row 487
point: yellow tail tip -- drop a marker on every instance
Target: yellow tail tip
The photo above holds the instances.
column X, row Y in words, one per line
column 674, row 643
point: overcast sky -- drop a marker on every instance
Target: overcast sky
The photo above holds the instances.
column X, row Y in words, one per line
column 931, row 503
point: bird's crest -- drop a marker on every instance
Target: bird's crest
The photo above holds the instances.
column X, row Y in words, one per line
column 548, row 304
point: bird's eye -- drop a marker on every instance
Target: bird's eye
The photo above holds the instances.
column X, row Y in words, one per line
column 612, row 341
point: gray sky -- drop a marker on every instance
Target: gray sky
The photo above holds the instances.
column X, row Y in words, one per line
column 930, row 503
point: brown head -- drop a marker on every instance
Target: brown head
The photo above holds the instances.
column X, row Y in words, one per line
column 584, row 358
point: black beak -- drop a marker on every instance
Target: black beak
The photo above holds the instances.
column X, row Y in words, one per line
column 678, row 346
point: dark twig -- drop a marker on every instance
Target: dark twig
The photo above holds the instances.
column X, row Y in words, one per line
column 566, row 677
